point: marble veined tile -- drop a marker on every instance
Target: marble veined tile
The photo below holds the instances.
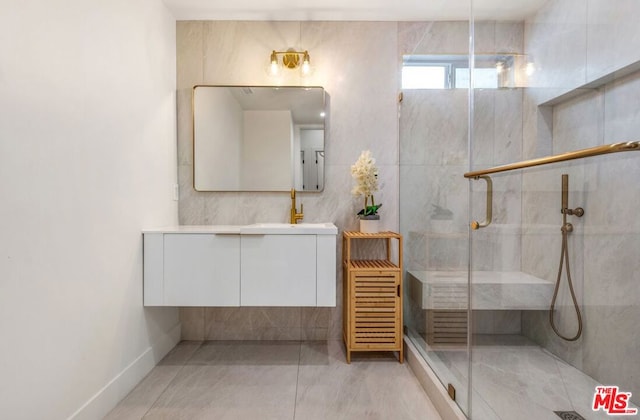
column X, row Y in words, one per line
column 433, row 37
column 612, row 36
column 229, row 392
column 580, row 389
column 515, row 378
column 373, row 386
column 252, row 323
column 259, row 353
column 192, row 320
column 181, row 353
column 135, row 405
column 189, row 59
column 521, row 383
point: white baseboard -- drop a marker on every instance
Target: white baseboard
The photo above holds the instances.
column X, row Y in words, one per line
column 447, row 409
column 117, row 388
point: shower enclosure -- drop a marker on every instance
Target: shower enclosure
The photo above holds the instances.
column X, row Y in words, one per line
column 563, row 78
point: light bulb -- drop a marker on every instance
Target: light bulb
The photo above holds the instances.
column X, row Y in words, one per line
column 274, row 68
column 306, row 66
column 529, row 69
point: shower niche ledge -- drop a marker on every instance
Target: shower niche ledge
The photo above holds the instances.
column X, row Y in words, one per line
column 490, row 290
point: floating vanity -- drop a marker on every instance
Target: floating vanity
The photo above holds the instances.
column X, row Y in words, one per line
column 264, row 264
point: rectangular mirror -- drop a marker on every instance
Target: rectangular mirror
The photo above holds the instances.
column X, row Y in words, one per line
column 258, row 138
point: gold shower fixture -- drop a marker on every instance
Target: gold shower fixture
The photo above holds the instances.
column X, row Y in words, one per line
column 291, row 59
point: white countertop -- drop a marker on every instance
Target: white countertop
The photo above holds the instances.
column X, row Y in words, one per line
column 229, row 229
column 253, row 229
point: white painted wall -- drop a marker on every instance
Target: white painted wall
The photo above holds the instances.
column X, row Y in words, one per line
column 267, row 150
column 219, row 129
column 87, row 159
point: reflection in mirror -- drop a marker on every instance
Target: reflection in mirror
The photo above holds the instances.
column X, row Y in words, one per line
column 249, row 138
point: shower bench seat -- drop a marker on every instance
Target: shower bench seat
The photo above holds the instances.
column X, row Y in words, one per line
column 490, row 290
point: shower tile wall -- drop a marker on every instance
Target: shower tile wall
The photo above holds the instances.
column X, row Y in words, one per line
column 434, row 151
column 433, row 157
column 604, row 246
column 357, row 64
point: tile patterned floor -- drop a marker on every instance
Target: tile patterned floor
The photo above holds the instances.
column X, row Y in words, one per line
column 513, row 378
column 275, row 380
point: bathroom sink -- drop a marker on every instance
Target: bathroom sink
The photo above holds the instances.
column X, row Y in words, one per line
column 289, row 229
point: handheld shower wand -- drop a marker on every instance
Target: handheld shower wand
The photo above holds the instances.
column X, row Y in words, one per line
column 564, row 258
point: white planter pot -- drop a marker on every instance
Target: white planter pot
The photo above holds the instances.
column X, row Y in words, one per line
column 369, row 226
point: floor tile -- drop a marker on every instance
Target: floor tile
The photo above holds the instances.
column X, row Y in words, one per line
column 240, row 380
column 234, row 392
column 135, row 405
column 373, row 386
column 181, row 353
column 144, row 395
column 247, row 353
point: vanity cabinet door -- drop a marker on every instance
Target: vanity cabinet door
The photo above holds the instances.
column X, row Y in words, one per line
column 278, row 270
column 201, row 270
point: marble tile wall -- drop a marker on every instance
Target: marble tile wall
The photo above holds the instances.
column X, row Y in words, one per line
column 434, row 154
column 603, row 246
column 357, row 63
column 574, row 42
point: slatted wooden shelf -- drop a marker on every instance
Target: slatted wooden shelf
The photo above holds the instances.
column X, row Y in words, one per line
column 372, row 265
column 372, row 298
column 446, row 327
column 379, row 235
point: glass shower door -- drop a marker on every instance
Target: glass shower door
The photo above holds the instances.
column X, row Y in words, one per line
column 541, row 351
column 434, row 205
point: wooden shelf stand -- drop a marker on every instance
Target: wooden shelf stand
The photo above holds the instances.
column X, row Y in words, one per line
column 372, row 319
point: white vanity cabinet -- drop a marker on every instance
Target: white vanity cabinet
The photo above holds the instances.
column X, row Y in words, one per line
column 278, row 270
column 201, row 269
column 254, row 265
column 191, row 269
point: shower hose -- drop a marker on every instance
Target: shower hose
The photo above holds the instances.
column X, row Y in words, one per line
column 564, row 258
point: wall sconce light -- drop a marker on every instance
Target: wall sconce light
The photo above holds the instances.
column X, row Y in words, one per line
column 529, row 68
column 291, row 59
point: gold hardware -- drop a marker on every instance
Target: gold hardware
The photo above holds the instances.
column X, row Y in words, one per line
column 475, row 225
column 576, row 154
column 565, row 210
column 295, row 216
column 451, row 391
column 290, row 60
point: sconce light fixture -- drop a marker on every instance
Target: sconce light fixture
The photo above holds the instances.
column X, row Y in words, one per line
column 291, row 59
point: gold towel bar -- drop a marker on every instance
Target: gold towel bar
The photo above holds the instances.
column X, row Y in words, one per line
column 576, row 154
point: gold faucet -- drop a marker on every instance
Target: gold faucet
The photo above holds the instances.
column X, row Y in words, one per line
column 295, row 216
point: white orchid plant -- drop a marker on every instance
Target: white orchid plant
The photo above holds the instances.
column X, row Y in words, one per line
column 365, row 172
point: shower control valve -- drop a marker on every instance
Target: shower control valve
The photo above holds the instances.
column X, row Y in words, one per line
column 578, row 211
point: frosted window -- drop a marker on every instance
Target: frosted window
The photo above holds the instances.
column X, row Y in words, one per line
column 452, row 71
column 424, row 77
column 483, row 78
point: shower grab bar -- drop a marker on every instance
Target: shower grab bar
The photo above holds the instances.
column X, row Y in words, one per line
column 475, row 225
column 628, row 146
column 576, row 154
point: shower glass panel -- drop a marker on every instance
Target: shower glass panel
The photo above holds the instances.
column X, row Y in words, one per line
column 577, row 83
column 434, row 203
